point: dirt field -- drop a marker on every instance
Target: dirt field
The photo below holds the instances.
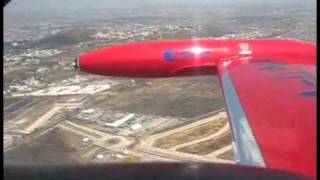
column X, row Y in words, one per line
column 191, row 134
column 205, row 147
column 178, row 97
column 48, row 149
column 229, row 155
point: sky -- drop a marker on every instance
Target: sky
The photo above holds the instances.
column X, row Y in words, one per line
column 49, row 6
column 29, row 10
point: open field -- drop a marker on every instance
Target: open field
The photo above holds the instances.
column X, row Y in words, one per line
column 205, row 147
column 191, row 134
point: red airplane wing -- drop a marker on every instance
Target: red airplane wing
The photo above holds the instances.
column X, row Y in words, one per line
column 269, row 88
column 272, row 108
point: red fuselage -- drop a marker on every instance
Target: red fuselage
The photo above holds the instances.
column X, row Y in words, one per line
column 187, row 57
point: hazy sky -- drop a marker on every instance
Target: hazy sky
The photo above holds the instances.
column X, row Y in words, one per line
column 18, row 11
column 16, row 6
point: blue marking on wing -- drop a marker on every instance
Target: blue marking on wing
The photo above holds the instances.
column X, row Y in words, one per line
column 168, row 55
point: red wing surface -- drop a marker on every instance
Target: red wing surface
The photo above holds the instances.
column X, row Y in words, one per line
column 272, row 108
